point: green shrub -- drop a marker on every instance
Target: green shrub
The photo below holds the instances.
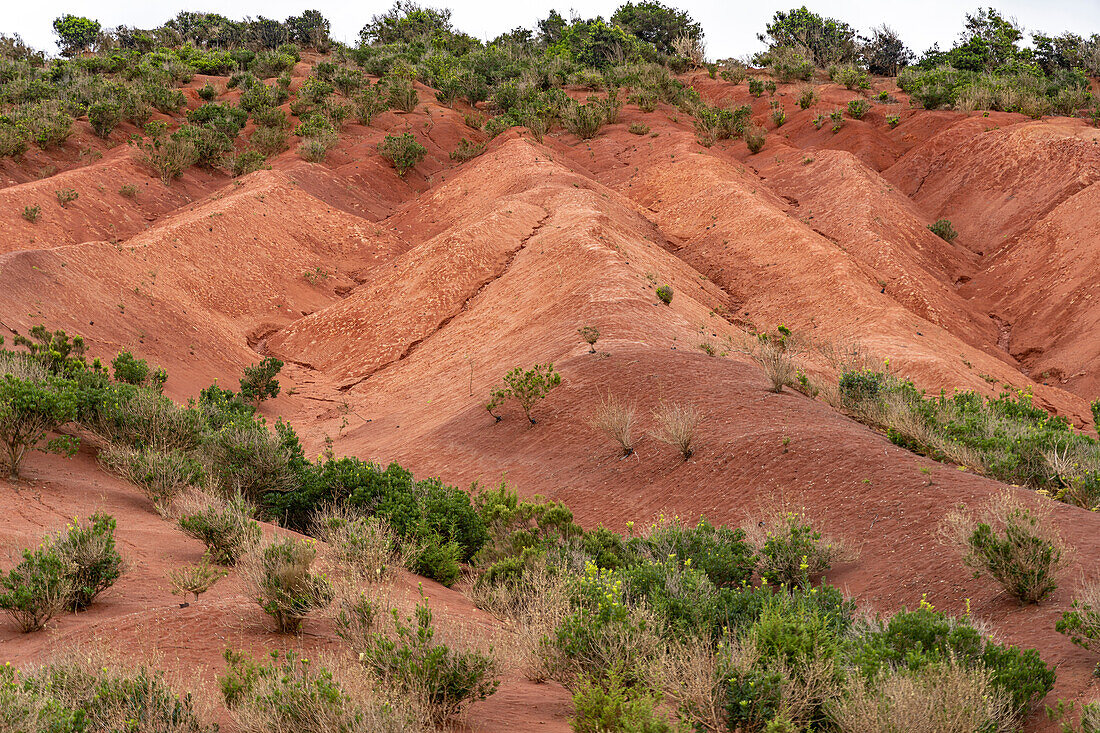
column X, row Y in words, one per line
column 943, row 229
column 366, row 545
column 1017, row 545
column 756, row 87
column 81, row 693
column 225, row 527
column 269, row 140
column 225, row 118
column 467, row 150
column 31, row 213
column 259, row 382
column 13, row 138
column 104, row 116
column 208, row 92
column 168, row 156
column 850, row 76
column 664, row 294
column 585, row 120
column 857, row 108
column 247, row 161
column 807, row 96
column 88, row 552
column 607, row 706
column 66, row 196
column 30, row 409
column 368, row 103
column 526, row 387
column 779, row 116
column 280, row 577
column 893, row 120
column 400, row 94
column 637, row 128
column 791, row 550
column 162, row 476
column 1082, row 622
column 131, row 370
column 403, row 152
column 754, row 139
column 405, row 657
column 914, row 640
column 720, row 552
column 36, row 589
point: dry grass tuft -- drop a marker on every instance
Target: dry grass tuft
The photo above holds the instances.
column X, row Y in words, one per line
column 676, row 425
column 615, row 419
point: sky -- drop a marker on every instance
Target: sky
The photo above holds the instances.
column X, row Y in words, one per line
column 730, row 25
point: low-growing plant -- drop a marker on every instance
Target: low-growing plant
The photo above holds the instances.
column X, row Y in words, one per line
column 366, row 545
column 893, row 120
column 403, row 152
column 400, row 94
column 756, row 87
column 208, row 92
column 755, row 138
column 87, row 550
column 615, row 419
column 467, row 150
column 584, row 120
column 31, row 407
column 857, row 108
column 1082, row 622
column 779, row 116
column 943, row 229
column 195, row 579
column 526, row 387
column 31, row 213
column 791, row 549
column 104, row 116
column 168, row 156
column 590, row 335
column 269, row 140
column 403, row 654
column 279, row 575
column 664, row 294
column 775, row 353
column 638, row 128
column 226, row 527
column 128, row 190
column 162, row 476
column 608, row 706
column 66, row 196
column 36, row 589
column 1015, row 544
column 850, row 76
column 247, row 161
column 676, row 424
column 807, row 96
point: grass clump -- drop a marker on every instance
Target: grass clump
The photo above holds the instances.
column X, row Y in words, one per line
column 676, row 424
column 162, row 476
column 366, row 545
column 776, row 354
column 638, row 128
column 195, row 579
column 615, row 419
column 1016, row 545
column 942, row 228
column 224, row 526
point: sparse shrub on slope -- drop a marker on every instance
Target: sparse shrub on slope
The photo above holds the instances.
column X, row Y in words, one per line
column 466, row 150
column 943, row 229
column 226, row 527
column 403, row 152
column 857, row 108
column 280, row 577
column 526, row 387
column 38, row 588
column 30, row 409
column 615, row 419
column 584, row 120
column 676, row 424
column 259, row 382
column 1082, row 622
column 792, row 549
column 88, row 552
column 1015, row 544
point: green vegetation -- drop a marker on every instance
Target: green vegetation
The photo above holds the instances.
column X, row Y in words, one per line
column 526, row 387
column 1006, row 437
column 857, row 108
column 403, row 151
column 259, row 382
column 942, row 228
column 664, row 294
column 280, row 577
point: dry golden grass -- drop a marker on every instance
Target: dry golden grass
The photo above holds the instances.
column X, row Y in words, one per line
column 615, row 419
column 676, row 424
column 938, row 699
column 366, row 547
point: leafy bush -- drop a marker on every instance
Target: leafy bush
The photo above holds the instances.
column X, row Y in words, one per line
column 893, row 120
column 88, row 552
column 1017, row 545
column 30, row 409
column 756, row 87
column 943, row 229
column 104, row 116
column 36, row 589
column 664, row 294
column 1082, row 622
column 585, row 120
column 526, row 387
column 807, row 96
column 403, row 152
column 850, row 76
column 269, row 140
column 467, row 150
column 405, row 657
column 280, row 578
column 208, row 92
column 195, row 579
column 66, row 196
column 607, row 706
column 259, row 382
column 719, row 552
column 791, row 549
column 225, row 527
column 400, row 94
column 131, row 370
column 247, row 161
column 754, row 139
column 857, row 108
column 162, row 476
column 168, row 156
column 31, row 213
column 80, row 692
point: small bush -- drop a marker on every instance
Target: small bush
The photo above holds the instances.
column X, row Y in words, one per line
column 676, row 423
column 31, row 213
column 467, row 150
column 756, row 87
column 591, row 335
column 30, row 409
column 638, row 128
column 857, row 108
column 791, row 549
column 88, row 552
column 368, row 546
column 128, row 190
column 615, row 419
column 526, row 387
column 280, row 578
column 269, row 140
column 664, row 294
column 104, row 117
column 403, row 152
column 943, row 229
column 194, row 579
column 36, row 589
column 585, row 120
column 807, row 96
column 404, row 656
column 779, row 116
column 162, row 476
column 1082, row 622
column 259, row 382
column 369, row 103
column 893, row 120
column 850, row 76
column 247, row 161
column 754, row 139
column 208, row 92
column 607, row 706
column 400, row 94
column 225, row 527
column 1018, row 546
column 66, row 196
column 168, row 156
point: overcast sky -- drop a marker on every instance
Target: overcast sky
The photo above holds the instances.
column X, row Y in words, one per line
column 730, row 25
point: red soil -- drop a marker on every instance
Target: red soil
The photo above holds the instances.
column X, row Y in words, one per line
column 431, row 288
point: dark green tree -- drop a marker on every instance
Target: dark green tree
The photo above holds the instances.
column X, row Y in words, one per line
column 75, row 34
column 824, row 40
column 656, row 23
